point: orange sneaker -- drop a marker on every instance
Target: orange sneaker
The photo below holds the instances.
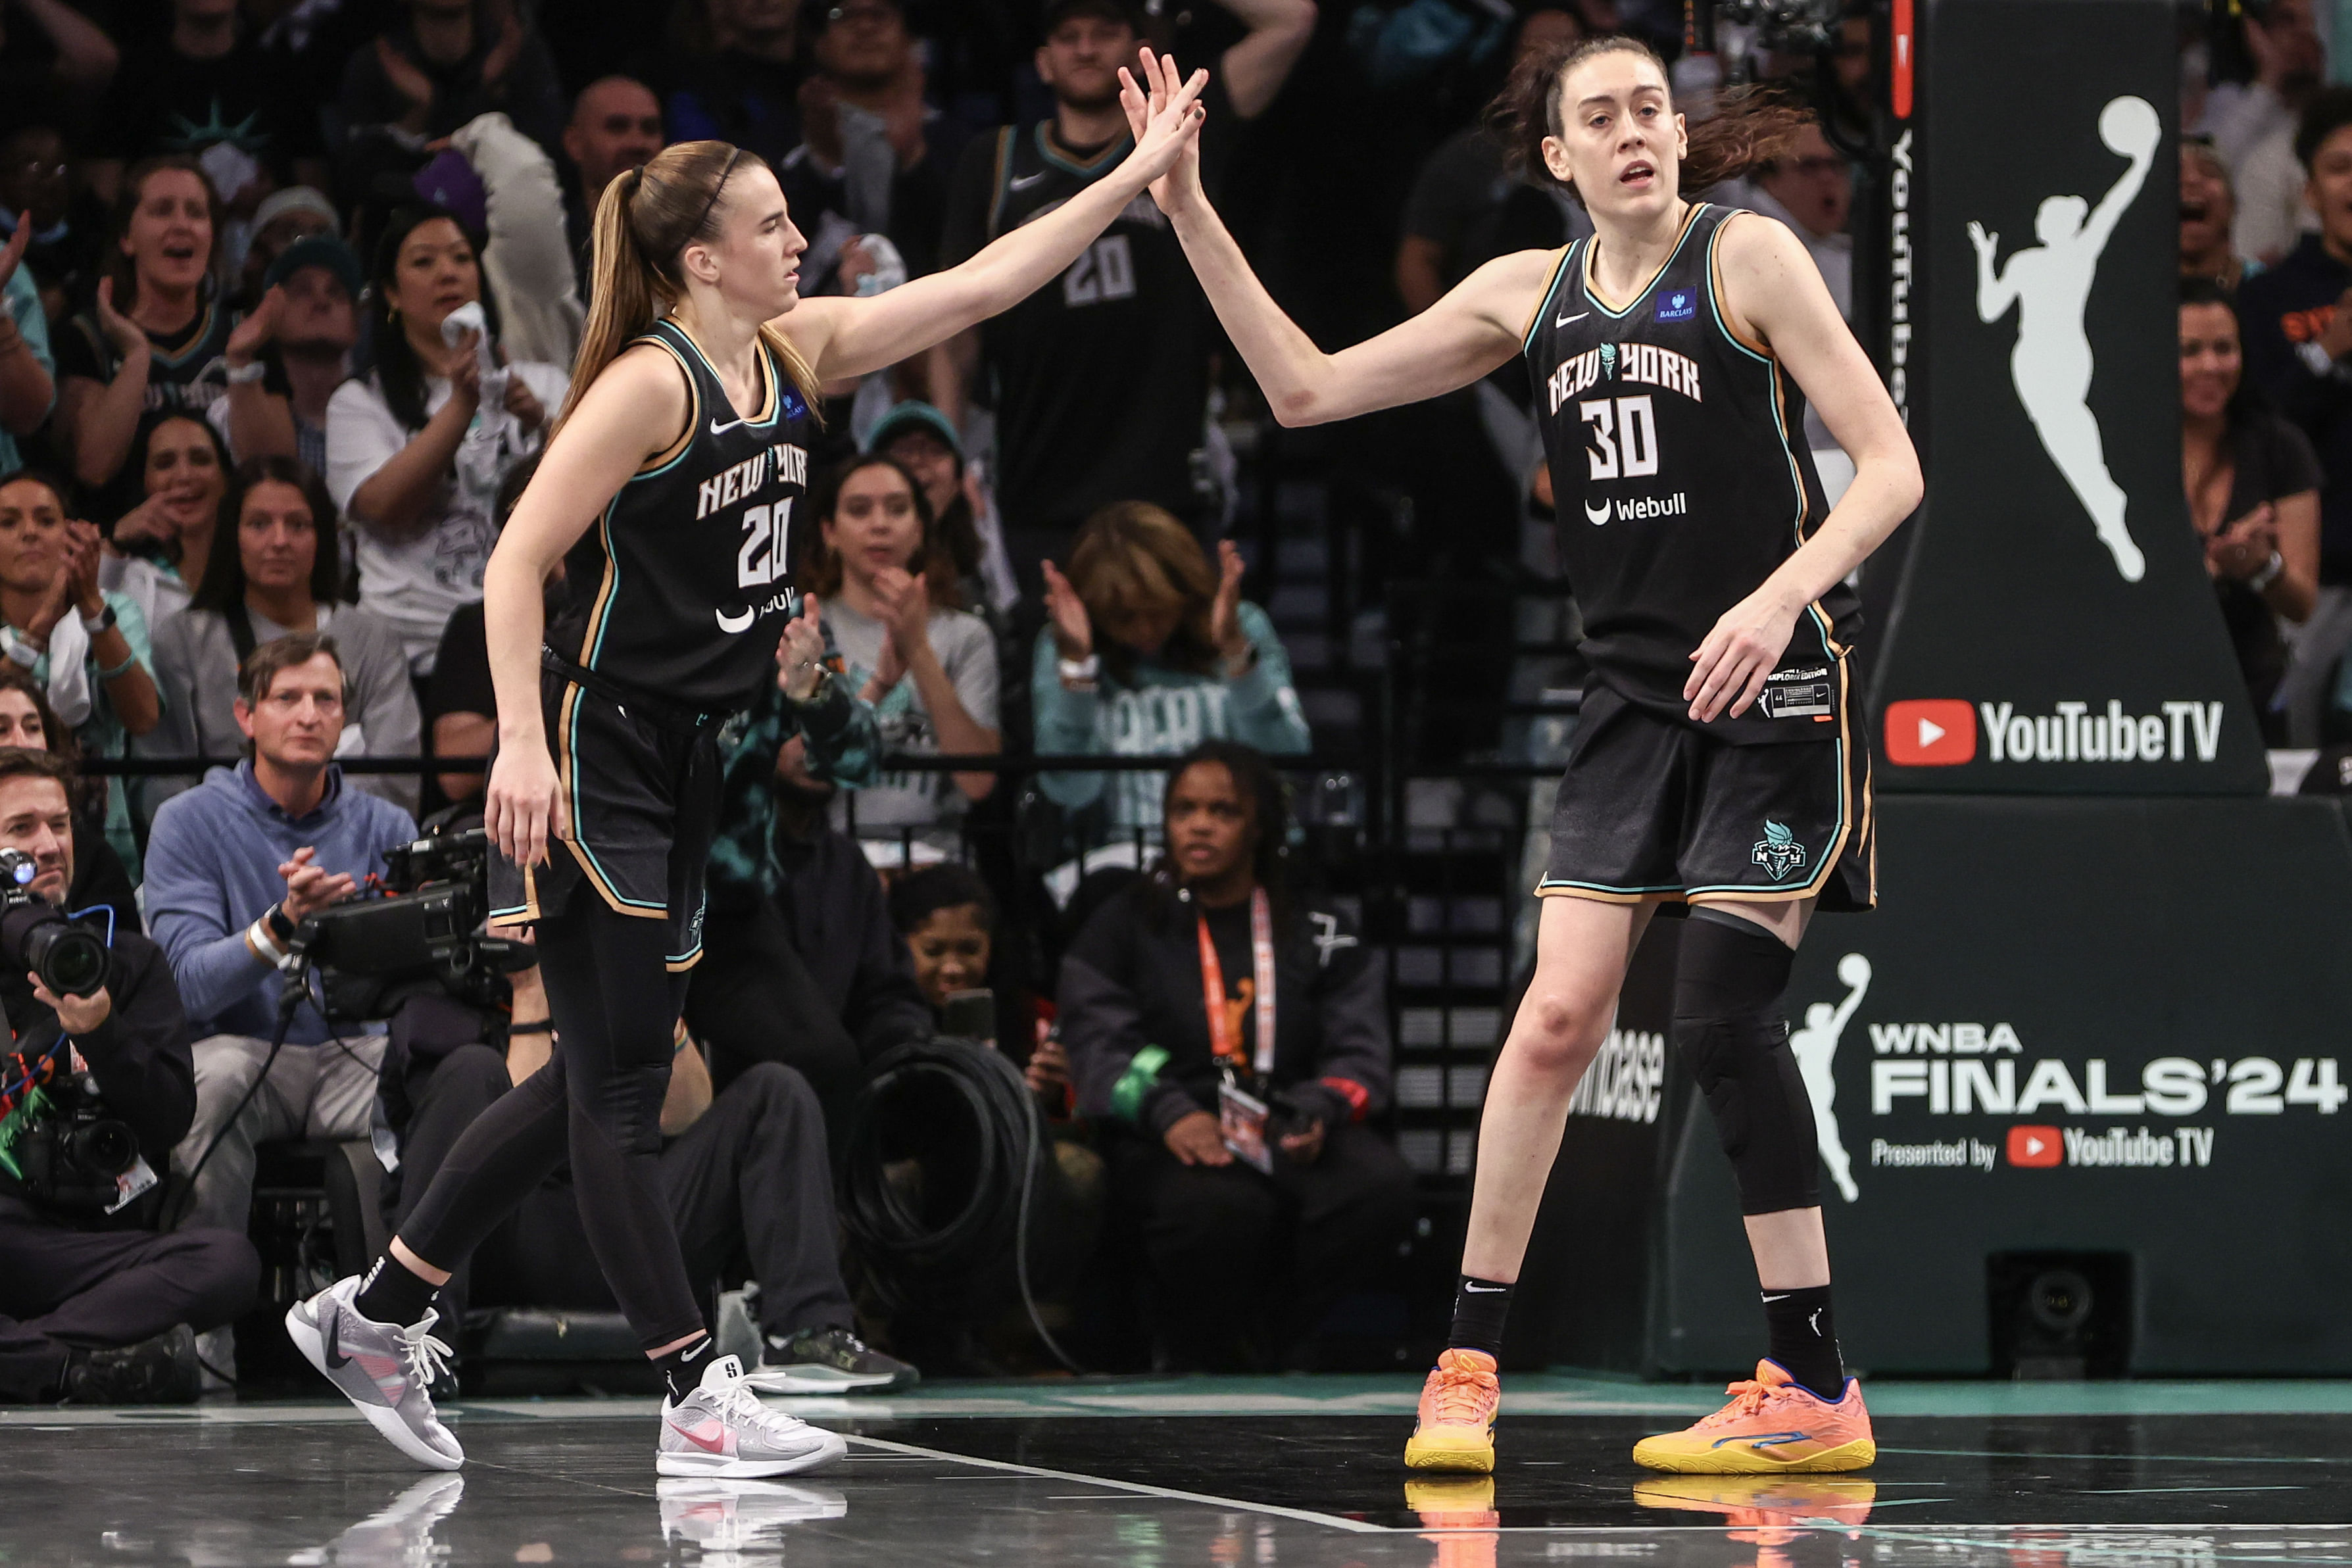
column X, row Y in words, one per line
column 1456, row 1431
column 1772, row 1425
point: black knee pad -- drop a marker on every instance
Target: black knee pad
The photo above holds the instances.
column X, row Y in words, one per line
column 1728, row 1028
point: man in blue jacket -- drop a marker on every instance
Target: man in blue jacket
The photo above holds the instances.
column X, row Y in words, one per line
column 233, row 867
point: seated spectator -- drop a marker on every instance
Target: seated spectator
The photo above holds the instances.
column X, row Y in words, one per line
column 159, row 548
column 448, row 62
column 28, row 387
column 1147, row 652
column 616, row 125
column 157, row 340
column 284, row 219
column 313, row 331
column 233, row 867
column 874, row 156
column 2207, row 211
column 39, row 183
column 1209, row 970
column 276, row 572
column 2253, row 496
column 86, row 648
column 798, row 928
column 415, row 452
column 203, row 87
column 26, row 721
column 893, row 603
column 95, row 1306
column 920, row 439
column 736, row 72
column 948, row 918
column 746, row 1176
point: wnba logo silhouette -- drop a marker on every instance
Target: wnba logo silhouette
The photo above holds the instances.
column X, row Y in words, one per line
column 1816, row 1047
column 2049, row 284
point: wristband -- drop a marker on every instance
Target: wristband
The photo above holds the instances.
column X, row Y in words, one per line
column 2269, row 574
column 263, row 945
column 1079, row 669
column 544, row 1027
column 23, row 652
column 246, row 374
column 101, row 622
column 119, row 671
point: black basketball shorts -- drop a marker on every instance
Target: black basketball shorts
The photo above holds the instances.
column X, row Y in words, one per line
column 643, row 792
column 1652, row 809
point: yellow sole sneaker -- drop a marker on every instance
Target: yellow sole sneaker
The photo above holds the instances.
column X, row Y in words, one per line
column 1465, row 1449
column 1736, row 1459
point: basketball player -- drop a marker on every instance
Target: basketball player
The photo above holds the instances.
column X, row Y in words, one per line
column 1719, row 767
column 684, row 444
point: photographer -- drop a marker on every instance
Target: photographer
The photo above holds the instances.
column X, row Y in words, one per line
column 234, row 866
column 91, row 1301
column 1166, row 996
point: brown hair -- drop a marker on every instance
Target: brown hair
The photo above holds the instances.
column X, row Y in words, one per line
column 942, row 584
column 87, row 794
column 133, row 189
column 26, row 762
column 1751, row 126
column 1133, row 555
column 264, row 664
column 223, row 585
column 645, row 220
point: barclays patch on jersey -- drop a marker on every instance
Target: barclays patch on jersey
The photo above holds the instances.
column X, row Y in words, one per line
column 1677, row 305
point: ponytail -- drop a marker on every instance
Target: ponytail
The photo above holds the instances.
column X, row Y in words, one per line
column 1751, row 126
column 645, row 219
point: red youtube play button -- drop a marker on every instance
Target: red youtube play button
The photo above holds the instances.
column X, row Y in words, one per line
column 2034, row 1146
column 1930, row 733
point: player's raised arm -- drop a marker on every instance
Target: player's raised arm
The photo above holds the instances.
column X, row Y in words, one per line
column 847, row 337
column 1476, row 327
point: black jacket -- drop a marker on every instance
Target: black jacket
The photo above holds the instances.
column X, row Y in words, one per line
column 1132, row 978
column 833, row 903
column 140, row 1056
column 2282, row 310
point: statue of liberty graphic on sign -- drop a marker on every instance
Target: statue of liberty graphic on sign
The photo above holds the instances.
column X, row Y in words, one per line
column 1815, row 1048
column 2049, row 284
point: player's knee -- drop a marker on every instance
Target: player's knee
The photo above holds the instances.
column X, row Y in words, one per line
column 1729, row 1033
column 1558, row 1032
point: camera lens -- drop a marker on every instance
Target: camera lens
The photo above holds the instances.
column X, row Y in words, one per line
column 110, row 1148
column 70, row 960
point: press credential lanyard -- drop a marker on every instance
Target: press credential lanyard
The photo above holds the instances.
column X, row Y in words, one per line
column 1224, row 1037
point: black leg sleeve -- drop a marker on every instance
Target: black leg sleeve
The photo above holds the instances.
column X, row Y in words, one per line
column 1727, row 1026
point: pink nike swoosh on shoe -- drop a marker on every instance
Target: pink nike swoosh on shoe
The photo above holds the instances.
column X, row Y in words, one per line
column 711, row 1436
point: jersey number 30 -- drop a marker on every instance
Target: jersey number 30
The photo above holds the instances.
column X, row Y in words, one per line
column 1624, row 436
column 765, row 556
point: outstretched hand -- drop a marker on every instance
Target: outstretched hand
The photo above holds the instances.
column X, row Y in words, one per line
column 1073, row 628
column 1164, row 114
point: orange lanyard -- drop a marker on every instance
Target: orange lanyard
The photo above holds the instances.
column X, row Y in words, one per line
column 1224, row 1027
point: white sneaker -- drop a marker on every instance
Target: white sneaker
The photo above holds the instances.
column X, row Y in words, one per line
column 722, row 1429
column 384, row 1368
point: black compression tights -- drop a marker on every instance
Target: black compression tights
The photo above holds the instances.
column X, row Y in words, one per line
column 598, row 1101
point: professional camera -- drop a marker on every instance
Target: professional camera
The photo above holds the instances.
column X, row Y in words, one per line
column 68, row 1152
column 35, row 935
column 423, row 931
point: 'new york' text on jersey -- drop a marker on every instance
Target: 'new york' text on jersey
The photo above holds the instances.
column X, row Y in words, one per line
column 683, row 586
column 1682, row 480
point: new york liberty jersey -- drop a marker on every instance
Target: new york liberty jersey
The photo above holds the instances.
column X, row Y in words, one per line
column 1682, row 480
column 683, row 586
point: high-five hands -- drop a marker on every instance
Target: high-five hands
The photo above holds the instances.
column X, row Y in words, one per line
column 1164, row 115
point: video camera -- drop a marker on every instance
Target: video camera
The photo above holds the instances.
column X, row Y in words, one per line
column 423, row 931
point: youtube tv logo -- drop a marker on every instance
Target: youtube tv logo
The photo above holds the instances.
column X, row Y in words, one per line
column 2036, row 1146
column 1930, row 733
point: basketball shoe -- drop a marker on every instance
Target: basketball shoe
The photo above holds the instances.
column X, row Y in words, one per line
column 720, row 1428
column 1772, row 1425
column 1456, row 1430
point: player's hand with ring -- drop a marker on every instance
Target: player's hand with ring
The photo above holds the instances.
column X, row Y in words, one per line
column 801, row 656
column 1728, row 668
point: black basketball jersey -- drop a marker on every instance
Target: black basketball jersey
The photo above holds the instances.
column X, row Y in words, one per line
column 1102, row 377
column 1682, row 480
column 683, row 586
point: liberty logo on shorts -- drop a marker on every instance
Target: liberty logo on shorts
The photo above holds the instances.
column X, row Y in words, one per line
column 1676, row 306
column 1778, row 851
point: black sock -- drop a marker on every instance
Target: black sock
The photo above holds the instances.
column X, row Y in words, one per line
column 683, row 1367
column 1804, row 1339
column 393, row 1293
column 1479, row 1308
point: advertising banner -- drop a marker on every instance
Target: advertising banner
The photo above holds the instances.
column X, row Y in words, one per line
column 2114, row 1028
column 2053, row 630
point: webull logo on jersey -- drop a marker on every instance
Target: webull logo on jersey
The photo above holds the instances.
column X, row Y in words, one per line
column 1980, row 1069
column 1643, row 364
column 2080, row 733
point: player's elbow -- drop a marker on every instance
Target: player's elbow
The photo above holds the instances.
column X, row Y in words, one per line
column 1299, row 405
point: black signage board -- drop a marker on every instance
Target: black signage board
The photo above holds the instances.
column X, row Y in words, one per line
column 2053, row 630
column 2114, row 1028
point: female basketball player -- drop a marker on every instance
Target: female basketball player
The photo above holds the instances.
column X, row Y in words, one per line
column 1719, row 765
column 684, row 443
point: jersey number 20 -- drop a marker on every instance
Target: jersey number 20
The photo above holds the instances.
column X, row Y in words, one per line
column 1624, row 436
column 1107, row 271
column 765, row 557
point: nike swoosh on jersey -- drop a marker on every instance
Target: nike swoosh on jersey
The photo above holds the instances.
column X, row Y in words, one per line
column 1025, row 182
column 711, row 1436
column 1563, row 321
column 718, row 429
column 735, row 624
column 1596, row 515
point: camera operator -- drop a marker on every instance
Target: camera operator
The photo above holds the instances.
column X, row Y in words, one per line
column 1165, row 996
column 95, row 1306
column 234, row 866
